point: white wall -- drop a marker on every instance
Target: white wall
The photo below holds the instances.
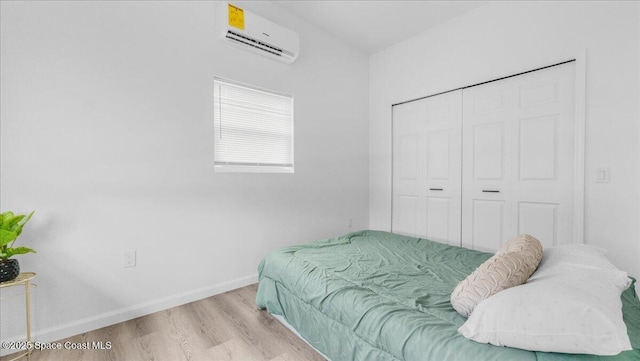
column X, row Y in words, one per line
column 504, row 38
column 106, row 131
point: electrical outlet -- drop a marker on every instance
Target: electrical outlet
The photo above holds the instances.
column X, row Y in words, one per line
column 602, row 175
column 128, row 259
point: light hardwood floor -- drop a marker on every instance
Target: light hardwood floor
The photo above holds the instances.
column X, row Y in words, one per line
column 223, row 327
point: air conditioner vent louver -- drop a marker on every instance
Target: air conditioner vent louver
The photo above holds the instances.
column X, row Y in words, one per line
column 252, row 42
column 251, row 32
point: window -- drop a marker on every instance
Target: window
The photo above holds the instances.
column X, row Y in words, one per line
column 253, row 129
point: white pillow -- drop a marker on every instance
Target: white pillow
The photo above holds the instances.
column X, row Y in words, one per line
column 581, row 258
column 571, row 304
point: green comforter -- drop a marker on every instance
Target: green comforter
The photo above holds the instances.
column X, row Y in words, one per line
column 379, row 296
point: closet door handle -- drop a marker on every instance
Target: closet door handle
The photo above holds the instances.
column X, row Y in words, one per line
column 436, row 189
column 490, row 191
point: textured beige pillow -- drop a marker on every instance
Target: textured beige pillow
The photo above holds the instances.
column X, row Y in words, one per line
column 510, row 266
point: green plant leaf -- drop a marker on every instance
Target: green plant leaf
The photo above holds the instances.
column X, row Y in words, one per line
column 7, row 237
column 6, row 218
column 18, row 250
column 13, row 222
column 21, row 222
column 10, row 228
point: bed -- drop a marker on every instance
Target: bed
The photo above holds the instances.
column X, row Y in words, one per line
column 374, row 295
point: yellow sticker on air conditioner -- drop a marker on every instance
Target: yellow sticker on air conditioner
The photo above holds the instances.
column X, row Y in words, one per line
column 236, row 17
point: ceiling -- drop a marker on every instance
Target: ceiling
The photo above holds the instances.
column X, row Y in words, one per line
column 371, row 25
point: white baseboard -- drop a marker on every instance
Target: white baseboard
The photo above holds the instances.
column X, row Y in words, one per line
column 128, row 313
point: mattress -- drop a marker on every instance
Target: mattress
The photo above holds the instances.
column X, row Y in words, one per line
column 374, row 295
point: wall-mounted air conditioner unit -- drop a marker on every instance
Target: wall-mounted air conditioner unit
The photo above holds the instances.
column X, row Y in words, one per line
column 252, row 32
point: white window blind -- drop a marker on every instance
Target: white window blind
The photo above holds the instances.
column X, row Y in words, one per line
column 253, row 129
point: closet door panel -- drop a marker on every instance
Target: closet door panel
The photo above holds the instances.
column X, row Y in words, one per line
column 486, row 213
column 438, row 218
column 538, row 153
column 488, row 221
column 407, row 214
column 539, row 219
column 543, row 184
column 408, row 170
column 438, row 155
column 488, row 152
column 434, row 125
column 518, row 147
column 408, row 157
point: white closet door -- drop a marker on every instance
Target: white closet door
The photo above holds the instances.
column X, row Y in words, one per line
column 518, row 151
column 427, row 168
